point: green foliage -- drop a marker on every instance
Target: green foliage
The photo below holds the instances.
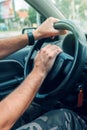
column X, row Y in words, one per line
column 73, row 8
column 1, row 20
column 32, row 15
column 63, row 6
column 82, row 9
column 16, row 17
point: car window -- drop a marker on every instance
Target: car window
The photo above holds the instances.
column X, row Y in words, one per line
column 16, row 15
column 75, row 10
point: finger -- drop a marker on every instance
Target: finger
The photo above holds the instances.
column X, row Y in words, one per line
column 58, row 32
column 52, row 19
column 51, row 47
column 62, row 32
column 47, row 46
column 54, row 50
column 54, row 47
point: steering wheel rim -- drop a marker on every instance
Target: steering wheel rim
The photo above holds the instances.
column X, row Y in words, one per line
column 77, row 66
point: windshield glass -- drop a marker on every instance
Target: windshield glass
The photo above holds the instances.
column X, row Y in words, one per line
column 15, row 15
column 75, row 10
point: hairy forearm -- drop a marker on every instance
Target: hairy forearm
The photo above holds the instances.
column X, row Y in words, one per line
column 17, row 102
column 10, row 45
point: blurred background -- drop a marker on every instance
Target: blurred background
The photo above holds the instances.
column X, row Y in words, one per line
column 17, row 14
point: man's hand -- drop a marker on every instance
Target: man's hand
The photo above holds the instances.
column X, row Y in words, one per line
column 46, row 29
column 46, row 57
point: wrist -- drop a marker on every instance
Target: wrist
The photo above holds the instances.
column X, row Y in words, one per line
column 39, row 73
column 37, row 34
column 31, row 39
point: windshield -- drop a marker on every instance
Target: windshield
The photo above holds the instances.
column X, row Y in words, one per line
column 75, row 10
column 16, row 15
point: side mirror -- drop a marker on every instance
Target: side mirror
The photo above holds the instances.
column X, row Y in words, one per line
column 26, row 30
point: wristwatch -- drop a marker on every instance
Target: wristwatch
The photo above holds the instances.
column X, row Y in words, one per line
column 31, row 39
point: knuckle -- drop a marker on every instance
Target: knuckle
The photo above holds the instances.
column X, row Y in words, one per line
column 48, row 45
column 55, row 46
column 50, row 56
column 50, row 18
column 43, row 50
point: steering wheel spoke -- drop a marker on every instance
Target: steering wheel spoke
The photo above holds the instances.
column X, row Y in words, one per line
column 34, row 54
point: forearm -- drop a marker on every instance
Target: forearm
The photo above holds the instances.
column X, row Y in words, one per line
column 10, row 45
column 17, row 102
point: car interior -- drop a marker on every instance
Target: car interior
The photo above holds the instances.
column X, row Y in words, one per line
column 66, row 84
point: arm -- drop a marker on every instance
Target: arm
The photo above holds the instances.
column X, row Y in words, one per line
column 10, row 45
column 13, row 106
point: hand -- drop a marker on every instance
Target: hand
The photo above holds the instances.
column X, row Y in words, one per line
column 45, row 58
column 46, row 29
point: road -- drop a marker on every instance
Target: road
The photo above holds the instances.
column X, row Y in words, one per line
column 9, row 34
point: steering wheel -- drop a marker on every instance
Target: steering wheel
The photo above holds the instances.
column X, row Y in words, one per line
column 68, row 65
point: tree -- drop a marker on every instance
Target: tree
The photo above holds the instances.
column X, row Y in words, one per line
column 32, row 15
column 1, row 20
column 82, row 10
column 64, row 7
column 74, row 9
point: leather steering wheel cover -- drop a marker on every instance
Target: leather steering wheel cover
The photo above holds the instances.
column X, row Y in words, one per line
column 76, row 69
